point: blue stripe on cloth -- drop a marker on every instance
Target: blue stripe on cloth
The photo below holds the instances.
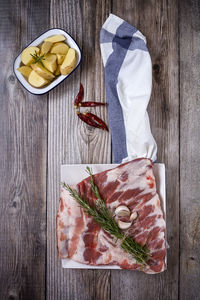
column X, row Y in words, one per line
column 106, row 36
column 138, row 43
column 121, row 43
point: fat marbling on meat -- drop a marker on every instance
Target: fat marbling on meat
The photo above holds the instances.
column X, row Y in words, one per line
column 132, row 184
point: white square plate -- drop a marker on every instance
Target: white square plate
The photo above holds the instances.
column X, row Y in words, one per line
column 72, row 174
column 39, row 91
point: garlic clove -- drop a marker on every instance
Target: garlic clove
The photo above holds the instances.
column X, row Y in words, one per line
column 122, row 210
column 124, row 225
column 133, row 216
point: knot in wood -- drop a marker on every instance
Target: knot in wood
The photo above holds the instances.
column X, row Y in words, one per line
column 156, row 69
column 11, row 297
column 11, row 79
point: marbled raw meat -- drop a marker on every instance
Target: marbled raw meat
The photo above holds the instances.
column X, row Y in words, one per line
column 132, row 184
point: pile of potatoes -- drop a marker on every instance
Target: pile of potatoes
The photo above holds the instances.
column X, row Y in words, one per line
column 58, row 59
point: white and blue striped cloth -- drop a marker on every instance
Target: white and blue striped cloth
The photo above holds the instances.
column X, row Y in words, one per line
column 128, row 80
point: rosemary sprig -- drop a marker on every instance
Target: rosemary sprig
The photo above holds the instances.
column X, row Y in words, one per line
column 38, row 58
column 102, row 216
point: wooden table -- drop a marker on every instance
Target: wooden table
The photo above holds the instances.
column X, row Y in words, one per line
column 39, row 133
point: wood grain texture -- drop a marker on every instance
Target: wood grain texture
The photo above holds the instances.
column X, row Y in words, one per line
column 23, row 141
column 71, row 141
column 158, row 21
column 190, row 153
column 37, row 136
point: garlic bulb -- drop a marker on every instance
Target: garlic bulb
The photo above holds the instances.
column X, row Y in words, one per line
column 122, row 211
column 133, row 216
column 124, row 225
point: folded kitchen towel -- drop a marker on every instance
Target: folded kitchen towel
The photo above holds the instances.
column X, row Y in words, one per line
column 128, row 80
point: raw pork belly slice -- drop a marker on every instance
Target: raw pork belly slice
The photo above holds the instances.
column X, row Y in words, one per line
column 132, row 184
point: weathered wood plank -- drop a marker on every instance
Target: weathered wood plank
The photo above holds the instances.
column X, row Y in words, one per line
column 71, row 141
column 23, row 139
column 189, row 150
column 23, row 129
column 158, row 21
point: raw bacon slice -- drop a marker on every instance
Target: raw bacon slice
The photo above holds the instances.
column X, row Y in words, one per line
column 132, row 184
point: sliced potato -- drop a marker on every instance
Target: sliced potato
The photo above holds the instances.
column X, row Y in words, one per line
column 57, row 72
column 26, row 57
column 36, row 80
column 50, row 62
column 25, row 71
column 55, row 38
column 60, row 48
column 46, row 46
column 38, row 68
column 69, row 62
column 60, row 58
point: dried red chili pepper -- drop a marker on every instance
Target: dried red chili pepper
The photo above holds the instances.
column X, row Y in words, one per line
column 88, row 120
column 79, row 97
column 97, row 120
column 91, row 104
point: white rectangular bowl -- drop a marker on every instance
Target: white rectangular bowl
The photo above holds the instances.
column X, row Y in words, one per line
column 72, row 174
column 39, row 91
